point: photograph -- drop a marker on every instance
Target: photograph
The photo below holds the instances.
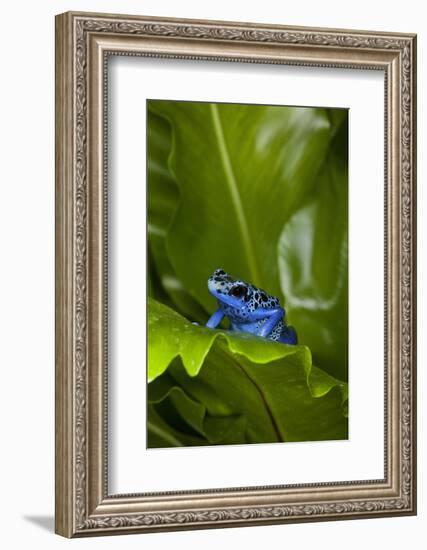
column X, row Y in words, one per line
column 235, row 272
column 247, row 273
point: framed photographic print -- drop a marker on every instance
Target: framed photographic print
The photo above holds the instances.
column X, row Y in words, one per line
column 235, row 274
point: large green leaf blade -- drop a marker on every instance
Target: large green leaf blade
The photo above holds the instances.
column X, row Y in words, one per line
column 163, row 196
column 251, row 180
column 170, row 336
column 313, row 264
column 241, row 171
column 214, row 429
column 269, row 390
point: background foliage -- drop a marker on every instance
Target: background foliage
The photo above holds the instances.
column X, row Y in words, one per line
column 262, row 192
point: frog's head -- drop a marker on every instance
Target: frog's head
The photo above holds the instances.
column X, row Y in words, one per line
column 237, row 298
column 228, row 291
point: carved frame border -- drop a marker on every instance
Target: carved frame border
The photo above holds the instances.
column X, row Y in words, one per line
column 83, row 43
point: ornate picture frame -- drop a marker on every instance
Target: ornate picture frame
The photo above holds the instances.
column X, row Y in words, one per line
column 84, row 42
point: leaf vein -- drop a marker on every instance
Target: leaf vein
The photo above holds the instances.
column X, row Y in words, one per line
column 235, row 195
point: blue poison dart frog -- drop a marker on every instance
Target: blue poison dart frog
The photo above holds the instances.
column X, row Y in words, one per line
column 250, row 309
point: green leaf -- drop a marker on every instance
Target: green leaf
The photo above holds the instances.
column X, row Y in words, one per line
column 260, row 191
column 161, row 434
column 214, row 429
column 313, row 263
column 241, row 170
column 163, row 198
column 235, row 388
column 170, row 335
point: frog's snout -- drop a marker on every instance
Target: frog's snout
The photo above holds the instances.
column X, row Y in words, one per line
column 219, row 283
column 213, row 285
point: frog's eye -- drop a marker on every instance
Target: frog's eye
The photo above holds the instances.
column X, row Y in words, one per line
column 238, row 291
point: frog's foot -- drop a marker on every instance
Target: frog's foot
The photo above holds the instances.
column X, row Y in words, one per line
column 289, row 336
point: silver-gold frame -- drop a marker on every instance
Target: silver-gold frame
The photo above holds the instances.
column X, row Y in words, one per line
column 83, row 43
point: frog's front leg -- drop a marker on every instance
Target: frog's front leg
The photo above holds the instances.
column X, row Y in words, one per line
column 215, row 319
column 272, row 316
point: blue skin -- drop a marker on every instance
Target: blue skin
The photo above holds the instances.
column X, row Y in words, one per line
column 250, row 309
